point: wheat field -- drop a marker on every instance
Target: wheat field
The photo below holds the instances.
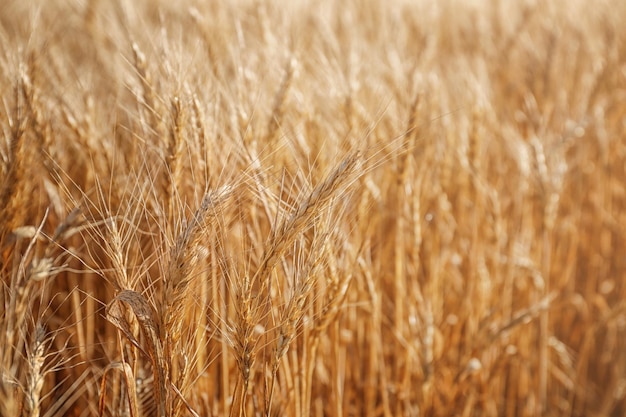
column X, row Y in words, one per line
column 312, row 208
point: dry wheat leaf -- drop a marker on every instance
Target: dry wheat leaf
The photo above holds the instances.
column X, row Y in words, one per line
column 143, row 312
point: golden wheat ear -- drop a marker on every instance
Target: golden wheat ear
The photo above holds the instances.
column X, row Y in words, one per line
column 153, row 348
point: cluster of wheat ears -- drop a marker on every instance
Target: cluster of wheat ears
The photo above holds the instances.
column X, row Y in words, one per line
column 312, row 208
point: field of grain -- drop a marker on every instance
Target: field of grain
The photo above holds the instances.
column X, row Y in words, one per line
column 312, row 208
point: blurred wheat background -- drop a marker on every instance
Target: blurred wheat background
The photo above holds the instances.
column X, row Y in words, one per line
column 312, row 208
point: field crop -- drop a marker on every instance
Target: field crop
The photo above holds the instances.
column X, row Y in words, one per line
column 312, row 208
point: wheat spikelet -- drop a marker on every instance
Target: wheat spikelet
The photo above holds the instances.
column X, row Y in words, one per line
column 34, row 383
column 150, row 330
